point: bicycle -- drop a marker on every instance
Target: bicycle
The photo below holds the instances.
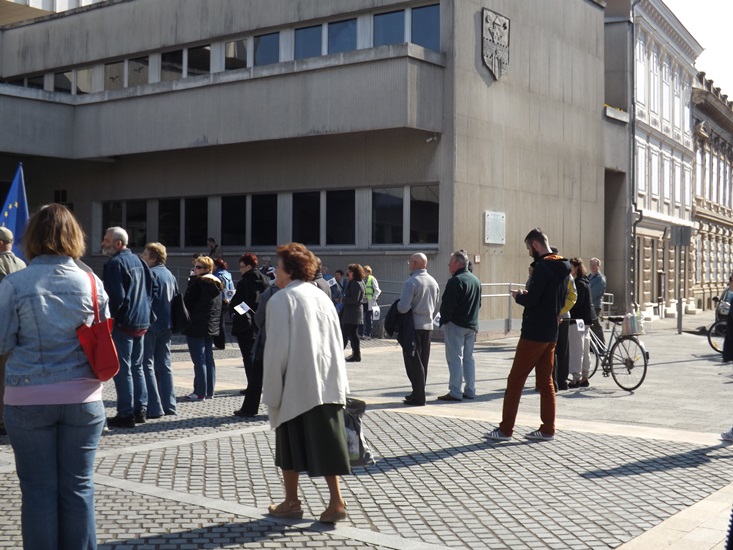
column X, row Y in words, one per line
column 716, row 335
column 624, row 358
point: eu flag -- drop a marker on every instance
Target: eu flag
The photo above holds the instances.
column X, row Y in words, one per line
column 15, row 210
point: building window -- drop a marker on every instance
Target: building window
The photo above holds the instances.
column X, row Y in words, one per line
column 308, row 42
column 698, row 174
column 340, row 217
column 654, row 83
column 264, row 220
column 234, row 220
column 686, row 113
column 136, row 222
column 426, row 27
column 169, row 222
column 114, row 76
column 342, row 36
column 666, row 168
column 84, row 81
column 267, row 49
column 62, row 82
column 387, row 214
column 687, row 185
column 196, row 221
column 641, row 74
column 424, row 214
column 137, row 71
column 654, row 173
column 677, row 183
column 665, row 91
column 389, row 28
column 677, row 113
column 112, row 215
column 199, row 60
column 235, row 55
column 171, row 65
column 641, row 168
column 35, row 82
column 306, row 217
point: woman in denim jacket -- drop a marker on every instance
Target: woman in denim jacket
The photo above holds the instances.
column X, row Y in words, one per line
column 53, row 402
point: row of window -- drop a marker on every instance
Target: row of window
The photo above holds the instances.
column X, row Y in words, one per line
column 713, row 177
column 419, row 25
column 676, row 176
column 399, row 215
column 715, row 258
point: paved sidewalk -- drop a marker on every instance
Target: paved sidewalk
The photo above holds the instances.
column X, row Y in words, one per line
column 632, row 470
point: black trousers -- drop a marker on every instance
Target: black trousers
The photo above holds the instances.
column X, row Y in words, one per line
column 416, row 366
column 562, row 361
column 251, row 403
column 350, row 333
column 246, row 343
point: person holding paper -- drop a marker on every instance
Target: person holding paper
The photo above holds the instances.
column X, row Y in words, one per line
column 582, row 317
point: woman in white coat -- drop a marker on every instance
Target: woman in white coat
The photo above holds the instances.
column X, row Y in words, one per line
column 305, row 383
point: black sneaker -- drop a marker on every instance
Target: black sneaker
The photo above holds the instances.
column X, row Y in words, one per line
column 140, row 416
column 121, row 422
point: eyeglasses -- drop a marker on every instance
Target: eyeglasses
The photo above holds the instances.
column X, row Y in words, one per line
column 199, row 267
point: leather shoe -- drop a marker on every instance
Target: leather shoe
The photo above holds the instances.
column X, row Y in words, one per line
column 448, row 397
column 121, row 422
column 412, row 401
column 244, row 414
column 465, row 396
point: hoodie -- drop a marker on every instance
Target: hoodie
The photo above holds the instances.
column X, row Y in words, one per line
column 544, row 298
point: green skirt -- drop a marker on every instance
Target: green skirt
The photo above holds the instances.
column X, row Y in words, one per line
column 314, row 442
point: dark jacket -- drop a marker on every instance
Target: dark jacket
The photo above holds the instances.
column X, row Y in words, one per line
column 403, row 325
column 249, row 288
column 353, row 312
column 583, row 308
column 461, row 300
column 129, row 285
column 544, row 298
column 203, row 301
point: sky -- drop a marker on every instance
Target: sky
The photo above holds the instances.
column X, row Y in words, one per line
column 709, row 21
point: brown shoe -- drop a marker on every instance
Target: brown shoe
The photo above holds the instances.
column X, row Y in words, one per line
column 288, row 510
column 333, row 516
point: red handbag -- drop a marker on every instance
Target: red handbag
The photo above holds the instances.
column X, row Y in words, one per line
column 97, row 343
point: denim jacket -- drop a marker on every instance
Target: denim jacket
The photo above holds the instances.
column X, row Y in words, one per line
column 129, row 285
column 41, row 307
column 165, row 286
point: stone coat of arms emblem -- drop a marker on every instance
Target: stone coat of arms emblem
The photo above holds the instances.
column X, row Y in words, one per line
column 495, row 38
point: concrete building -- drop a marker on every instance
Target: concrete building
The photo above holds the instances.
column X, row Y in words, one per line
column 367, row 129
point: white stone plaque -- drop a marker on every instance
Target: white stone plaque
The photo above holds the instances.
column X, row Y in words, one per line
column 494, row 228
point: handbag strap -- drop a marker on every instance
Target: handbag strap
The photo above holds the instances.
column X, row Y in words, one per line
column 94, row 298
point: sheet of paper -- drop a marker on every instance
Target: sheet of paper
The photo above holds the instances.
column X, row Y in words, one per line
column 242, row 308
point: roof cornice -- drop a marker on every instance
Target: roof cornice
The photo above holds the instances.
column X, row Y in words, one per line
column 660, row 15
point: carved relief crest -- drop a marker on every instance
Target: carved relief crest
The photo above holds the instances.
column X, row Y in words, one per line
column 495, row 38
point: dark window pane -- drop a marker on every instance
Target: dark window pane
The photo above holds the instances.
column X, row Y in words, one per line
column 341, row 217
column 111, row 215
column 307, row 217
column 424, row 214
column 267, row 49
column 264, row 220
column 169, row 222
column 114, row 76
column 389, row 28
column 308, row 42
column 36, row 82
column 387, row 220
column 83, row 81
column 197, row 221
column 426, row 27
column 171, row 65
column 20, row 82
column 235, row 55
column 342, row 36
column 233, row 220
column 137, row 71
column 199, row 60
column 136, row 223
column 62, row 82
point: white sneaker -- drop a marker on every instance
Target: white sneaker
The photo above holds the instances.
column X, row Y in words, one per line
column 194, row 397
column 539, row 436
column 727, row 436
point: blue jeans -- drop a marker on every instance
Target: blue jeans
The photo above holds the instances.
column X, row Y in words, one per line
column 132, row 392
column 204, row 369
column 366, row 328
column 158, row 372
column 54, row 449
column 459, row 344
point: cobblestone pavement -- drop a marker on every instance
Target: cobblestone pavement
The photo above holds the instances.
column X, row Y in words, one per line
column 623, row 463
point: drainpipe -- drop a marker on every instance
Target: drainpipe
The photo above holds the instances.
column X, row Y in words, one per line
column 635, row 213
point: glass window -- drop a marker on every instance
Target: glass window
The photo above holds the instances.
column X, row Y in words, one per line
column 62, row 82
column 114, row 76
column 233, row 220
column 387, row 220
column 19, row 82
column 424, row 214
column 342, row 36
column 136, row 223
column 641, row 167
column 341, row 217
column 306, row 217
column 235, row 55
column 83, row 81
column 111, row 215
column 267, row 49
column 389, row 28
column 426, row 27
column 654, row 173
column 308, row 42
column 171, row 65
column 169, row 222
column 264, row 220
column 35, row 82
column 196, row 221
column 137, row 71
column 199, row 60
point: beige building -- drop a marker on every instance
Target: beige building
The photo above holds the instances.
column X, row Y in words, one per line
column 367, row 129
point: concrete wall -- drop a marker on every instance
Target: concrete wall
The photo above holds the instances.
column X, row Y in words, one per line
column 618, row 73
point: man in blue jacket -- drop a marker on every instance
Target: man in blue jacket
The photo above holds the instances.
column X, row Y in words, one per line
column 129, row 285
column 459, row 319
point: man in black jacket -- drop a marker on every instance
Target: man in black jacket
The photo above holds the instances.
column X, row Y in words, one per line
column 542, row 302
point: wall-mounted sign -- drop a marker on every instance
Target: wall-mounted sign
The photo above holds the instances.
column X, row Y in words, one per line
column 494, row 228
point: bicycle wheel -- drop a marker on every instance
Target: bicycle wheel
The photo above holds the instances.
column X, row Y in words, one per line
column 595, row 359
column 628, row 363
column 716, row 335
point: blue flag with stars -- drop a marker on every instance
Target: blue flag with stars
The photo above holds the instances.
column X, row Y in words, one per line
column 15, row 211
